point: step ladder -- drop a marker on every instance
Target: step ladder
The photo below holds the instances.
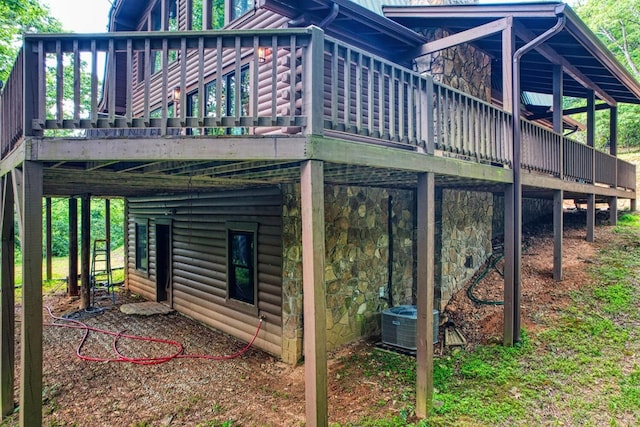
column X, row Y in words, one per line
column 101, row 278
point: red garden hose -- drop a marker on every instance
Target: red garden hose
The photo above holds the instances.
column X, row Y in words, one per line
column 119, row 357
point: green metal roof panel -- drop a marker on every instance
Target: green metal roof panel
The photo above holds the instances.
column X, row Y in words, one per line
column 377, row 5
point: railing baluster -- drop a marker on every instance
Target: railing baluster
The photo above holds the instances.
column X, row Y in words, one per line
column 237, row 108
column 219, row 82
column 359, row 83
column 147, row 81
column 111, row 76
column 59, row 115
column 164, row 91
column 201, row 95
column 370, row 99
column 293, row 80
column 130, row 77
column 347, row 89
column 274, row 79
column 381, row 101
column 335, row 59
column 183, row 82
column 76, row 84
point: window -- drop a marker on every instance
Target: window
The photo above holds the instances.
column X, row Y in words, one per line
column 157, row 113
column 239, row 8
column 217, row 14
column 228, row 94
column 142, row 239
column 156, row 24
column 242, row 263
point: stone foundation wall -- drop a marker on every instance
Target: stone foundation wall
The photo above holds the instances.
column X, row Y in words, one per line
column 291, row 274
column 357, row 238
column 465, row 239
column 532, row 210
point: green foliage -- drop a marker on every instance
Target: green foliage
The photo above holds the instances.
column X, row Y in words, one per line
column 16, row 18
column 60, row 224
column 617, row 25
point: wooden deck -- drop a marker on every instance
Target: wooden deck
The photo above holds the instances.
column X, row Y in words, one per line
column 303, row 88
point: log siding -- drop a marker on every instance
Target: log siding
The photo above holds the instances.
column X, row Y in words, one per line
column 198, row 258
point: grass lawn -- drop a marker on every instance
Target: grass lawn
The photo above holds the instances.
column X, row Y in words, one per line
column 581, row 369
column 60, row 270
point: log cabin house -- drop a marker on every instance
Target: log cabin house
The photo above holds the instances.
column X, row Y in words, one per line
column 318, row 160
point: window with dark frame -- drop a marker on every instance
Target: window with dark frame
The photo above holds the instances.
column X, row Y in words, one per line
column 142, row 248
column 242, row 262
column 239, row 8
column 228, row 93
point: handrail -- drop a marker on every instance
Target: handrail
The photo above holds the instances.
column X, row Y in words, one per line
column 11, row 107
column 278, row 72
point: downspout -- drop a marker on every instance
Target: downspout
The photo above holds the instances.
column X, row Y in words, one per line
column 332, row 15
column 303, row 19
column 517, row 176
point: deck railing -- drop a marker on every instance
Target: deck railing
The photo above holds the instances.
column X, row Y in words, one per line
column 11, row 107
column 257, row 82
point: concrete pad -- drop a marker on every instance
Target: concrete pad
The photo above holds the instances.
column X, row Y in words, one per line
column 147, row 308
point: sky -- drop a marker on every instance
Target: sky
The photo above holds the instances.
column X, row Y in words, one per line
column 91, row 16
column 81, row 16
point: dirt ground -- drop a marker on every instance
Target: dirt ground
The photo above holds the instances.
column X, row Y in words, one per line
column 256, row 389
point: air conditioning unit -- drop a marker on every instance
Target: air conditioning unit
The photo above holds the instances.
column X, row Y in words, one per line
column 399, row 326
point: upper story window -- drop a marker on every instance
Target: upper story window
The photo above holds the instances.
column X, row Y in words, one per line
column 239, row 8
column 230, row 90
column 219, row 12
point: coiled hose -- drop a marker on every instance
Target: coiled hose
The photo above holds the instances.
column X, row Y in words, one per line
column 119, row 357
column 492, row 263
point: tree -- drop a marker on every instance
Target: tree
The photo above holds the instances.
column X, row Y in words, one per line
column 16, row 18
column 617, row 24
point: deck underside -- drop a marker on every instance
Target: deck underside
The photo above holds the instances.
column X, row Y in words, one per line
column 117, row 167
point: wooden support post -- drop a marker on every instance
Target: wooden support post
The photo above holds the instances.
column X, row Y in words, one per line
column 508, row 49
column 558, row 199
column 85, row 248
column 509, row 261
column 72, row 285
column 591, row 131
column 31, row 337
column 613, row 210
column 591, row 217
column 633, row 205
column 107, row 222
column 49, row 238
column 314, row 90
column 7, row 299
column 314, row 300
column 557, row 98
column 613, row 131
column 425, row 277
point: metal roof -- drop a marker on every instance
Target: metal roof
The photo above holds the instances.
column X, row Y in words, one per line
column 579, row 47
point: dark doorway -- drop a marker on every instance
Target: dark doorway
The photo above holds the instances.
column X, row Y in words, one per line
column 163, row 262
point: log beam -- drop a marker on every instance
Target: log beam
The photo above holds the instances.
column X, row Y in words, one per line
column 85, row 236
column 7, row 299
column 72, row 284
column 558, row 199
column 425, row 292
column 613, row 210
column 591, row 217
column 31, row 337
column 315, row 340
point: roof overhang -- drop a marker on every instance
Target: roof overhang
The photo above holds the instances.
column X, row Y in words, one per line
column 585, row 57
column 352, row 23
